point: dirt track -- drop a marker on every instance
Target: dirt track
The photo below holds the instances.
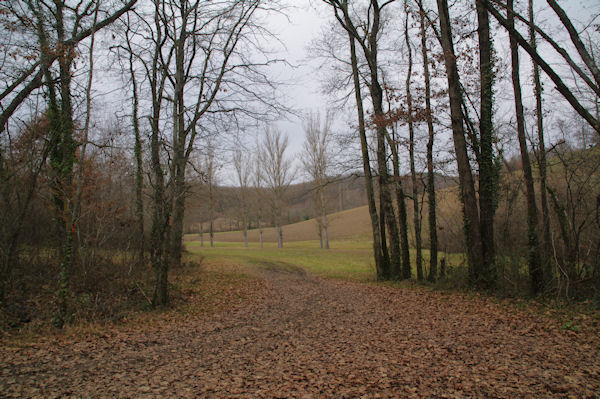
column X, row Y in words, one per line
column 317, row 338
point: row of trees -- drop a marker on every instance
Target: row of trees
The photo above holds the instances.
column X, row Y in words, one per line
column 464, row 103
column 269, row 173
column 192, row 68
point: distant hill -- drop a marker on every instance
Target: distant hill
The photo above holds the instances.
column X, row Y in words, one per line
column 347, row 211
column 352, row 223
column 342, row 193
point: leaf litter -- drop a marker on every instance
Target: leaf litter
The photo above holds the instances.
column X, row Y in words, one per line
column 307, row 337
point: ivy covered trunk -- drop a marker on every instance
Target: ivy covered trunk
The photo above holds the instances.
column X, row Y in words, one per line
column 488, row 173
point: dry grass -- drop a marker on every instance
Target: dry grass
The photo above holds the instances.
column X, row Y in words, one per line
column 352, row 223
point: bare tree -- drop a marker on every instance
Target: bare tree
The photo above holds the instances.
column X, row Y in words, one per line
column 366, row 33
column 137, row 149
column 472, row 224
column 411, row 141
column 488, row 173
column 316, row 161
column 277, row 174
column 243, row 169
column 535, row 267
column 380, row 264
column 541, row 154
column 210, row 180
column 199, row 72
column 257, row 183
column 433, row 241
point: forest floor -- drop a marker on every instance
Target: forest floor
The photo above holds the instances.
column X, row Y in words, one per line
column 309, row 337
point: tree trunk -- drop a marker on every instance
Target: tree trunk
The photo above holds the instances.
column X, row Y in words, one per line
column 323, row 219
column 488, row 176
column 260, row 232
column 547, row 241
column 467, row 186
column 386, row 209
column 160, row 208
column 377, row 252
column 160, row 218
column 320, row 228
column 279, row 236
column 535, row 270
column 160, row 221
column 139, row 171
column 411, row 139
column 63, row 162
column 433, row 242
column 325, row 232
column 402, row 219
column 179, row 162
column 569, row 250
column 177, row 213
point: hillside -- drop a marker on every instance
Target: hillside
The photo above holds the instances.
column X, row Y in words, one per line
column 346, row 224
column 355, row 223
column 342, row 193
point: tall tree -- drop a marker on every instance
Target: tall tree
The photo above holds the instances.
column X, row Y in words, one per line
column 224, row 26
column 394, row 143
column 535, row 267
column 468, row 195
column 160, row 207
column 411, row 143
column 277, row 173
column 368, row 41
column 194, row 54
column 432, row 220
column 380, row 265
column 488, row 173
column 242, row 170
column 541, row 156
column 137, row 149
column 316, row 161
column 210, row 180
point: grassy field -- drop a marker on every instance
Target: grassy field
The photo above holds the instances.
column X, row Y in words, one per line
column 350, row 256
column 350, row 259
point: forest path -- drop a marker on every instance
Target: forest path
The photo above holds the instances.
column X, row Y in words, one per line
column 311, row 337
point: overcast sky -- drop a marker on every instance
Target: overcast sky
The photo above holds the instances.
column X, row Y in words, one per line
column 303, row 23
